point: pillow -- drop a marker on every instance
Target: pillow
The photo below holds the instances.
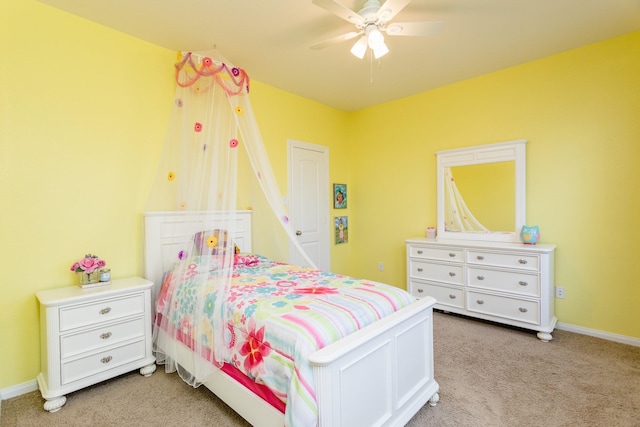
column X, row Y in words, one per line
column 213, row 242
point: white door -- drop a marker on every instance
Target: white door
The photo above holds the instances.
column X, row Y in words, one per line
column 309, row 201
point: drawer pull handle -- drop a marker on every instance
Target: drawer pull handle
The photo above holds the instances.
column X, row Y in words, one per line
column 480, row 257
column 480, row 302
column 106, row 359
column 452, row 274
column 452, row 296
column 419, row 252
column 452, row 255
column 522, row 283
column 480, row 277
column 419, row 270
column 522, row 261
column 420, row 290
column 105, row 335
column 523, row 310
column 105, row 310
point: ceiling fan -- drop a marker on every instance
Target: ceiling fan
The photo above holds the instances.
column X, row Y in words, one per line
column 370, row 22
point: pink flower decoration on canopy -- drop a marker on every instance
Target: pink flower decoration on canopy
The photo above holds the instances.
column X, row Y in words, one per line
column 233, row 143
column 207, row 62
column 197, row 127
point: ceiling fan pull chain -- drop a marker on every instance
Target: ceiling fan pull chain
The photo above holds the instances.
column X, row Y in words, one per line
column 371, row 67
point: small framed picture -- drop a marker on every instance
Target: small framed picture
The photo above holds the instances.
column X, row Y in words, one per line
column 339, row 196
column 341, row 229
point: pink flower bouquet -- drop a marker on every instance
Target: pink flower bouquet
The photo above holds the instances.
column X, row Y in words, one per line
column 88, row 264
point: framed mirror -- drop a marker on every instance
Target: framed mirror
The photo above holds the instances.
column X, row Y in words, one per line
column 481, row 192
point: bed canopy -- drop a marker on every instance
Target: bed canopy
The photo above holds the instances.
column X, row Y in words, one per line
column 213, row 160
column 457, row 216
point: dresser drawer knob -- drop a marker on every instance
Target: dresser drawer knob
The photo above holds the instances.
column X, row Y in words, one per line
column 522, row 283
column 105, row 310
column 452, row 274
column 105, row 335
column 420, row 290
column 480, row 302
column 523, row 310
column 106, row 359
column 419, row 270
column 480, row 257
column 522, row 261
column 419, row 252
column 452, row 255
column 480, row 277
column 452, row 296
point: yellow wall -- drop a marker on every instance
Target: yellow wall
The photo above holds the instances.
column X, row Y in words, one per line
column 580, row 112
column 84, row 111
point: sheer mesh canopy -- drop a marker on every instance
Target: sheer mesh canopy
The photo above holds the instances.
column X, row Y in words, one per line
column 213, row 160
column 457, row 216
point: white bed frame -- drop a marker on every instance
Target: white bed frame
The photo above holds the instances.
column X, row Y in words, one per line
column 380, row 375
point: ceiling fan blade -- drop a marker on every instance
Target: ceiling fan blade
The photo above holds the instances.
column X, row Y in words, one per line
column 414, row 28
column 391, row 8
column 339, row 10
column 335, row 40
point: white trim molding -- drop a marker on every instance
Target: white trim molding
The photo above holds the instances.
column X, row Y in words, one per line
column 18, row 390
column 623, row 339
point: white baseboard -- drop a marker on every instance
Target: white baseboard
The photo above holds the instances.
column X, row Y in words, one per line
column 599, row 334
column 18, row 390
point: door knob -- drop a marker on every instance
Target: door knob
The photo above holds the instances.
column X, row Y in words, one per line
column 298, row 233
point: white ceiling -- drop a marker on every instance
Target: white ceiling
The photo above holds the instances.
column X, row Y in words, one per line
column 270, row 39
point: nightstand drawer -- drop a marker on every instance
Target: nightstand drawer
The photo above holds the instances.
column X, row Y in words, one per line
column 99, row 362
column 73, row 344
column 509, row 308
column 504, row 281
column 101, row 311
column 522, row 262
column 441, row 254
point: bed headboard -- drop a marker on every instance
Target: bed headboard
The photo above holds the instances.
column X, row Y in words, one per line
column 166, row 231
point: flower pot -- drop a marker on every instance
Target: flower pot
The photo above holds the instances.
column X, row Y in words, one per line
column 89, row 278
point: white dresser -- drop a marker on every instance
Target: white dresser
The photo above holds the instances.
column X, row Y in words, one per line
column 91, row 335
column 509, row 283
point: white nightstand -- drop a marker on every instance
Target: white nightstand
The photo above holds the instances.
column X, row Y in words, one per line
column 91, row 335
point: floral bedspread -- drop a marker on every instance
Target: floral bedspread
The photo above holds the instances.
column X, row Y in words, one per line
column 282, row 314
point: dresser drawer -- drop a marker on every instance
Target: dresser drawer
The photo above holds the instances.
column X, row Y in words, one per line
column 441, row 254
column 100, row 311
column 508, row 308
column 86, row 341
column 497, row 259
column 99, row 362
column 504, row 281
column 448, row 273
column 444, row 295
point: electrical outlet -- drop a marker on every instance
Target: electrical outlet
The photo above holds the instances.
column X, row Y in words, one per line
column 559, row 292
column 380, row 266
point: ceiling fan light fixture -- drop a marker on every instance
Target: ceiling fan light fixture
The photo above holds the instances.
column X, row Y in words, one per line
column 360, row 48
column 374, row 37
column 380, row 50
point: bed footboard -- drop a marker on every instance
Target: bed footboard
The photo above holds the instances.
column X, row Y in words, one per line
column 380, row 375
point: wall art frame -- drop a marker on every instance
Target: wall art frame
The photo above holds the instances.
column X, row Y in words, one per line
column 339, row 196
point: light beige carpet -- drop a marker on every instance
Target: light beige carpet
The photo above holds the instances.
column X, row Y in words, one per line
column 489, row 375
